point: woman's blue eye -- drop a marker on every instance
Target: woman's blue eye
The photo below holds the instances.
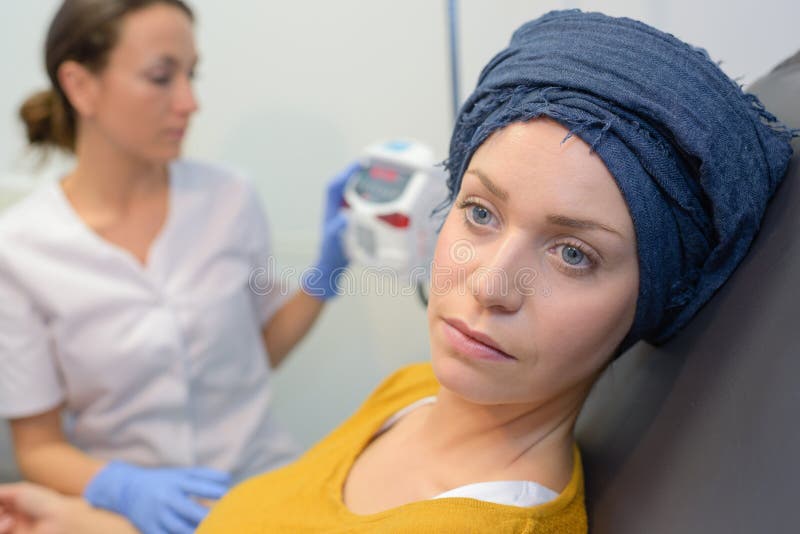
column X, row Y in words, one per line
column 572, row 255
column 481, row 215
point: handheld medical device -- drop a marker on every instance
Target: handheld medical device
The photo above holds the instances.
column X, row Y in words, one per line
column 392, row 198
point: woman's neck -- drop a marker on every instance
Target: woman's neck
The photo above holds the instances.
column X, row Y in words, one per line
column 520, row 441
column 110, row 179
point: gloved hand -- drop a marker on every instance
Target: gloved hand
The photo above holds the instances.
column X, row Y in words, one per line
column 321, row 280
column 156, row 501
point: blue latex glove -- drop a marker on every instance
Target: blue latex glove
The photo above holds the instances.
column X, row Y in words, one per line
column 156, row 501
column 321, row 280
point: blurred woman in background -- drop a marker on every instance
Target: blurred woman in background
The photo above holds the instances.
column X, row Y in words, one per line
column 138, row 300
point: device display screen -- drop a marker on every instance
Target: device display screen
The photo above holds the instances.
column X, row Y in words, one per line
column 381, row 183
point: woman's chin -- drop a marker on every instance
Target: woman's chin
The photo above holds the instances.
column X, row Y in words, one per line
column 471, row 380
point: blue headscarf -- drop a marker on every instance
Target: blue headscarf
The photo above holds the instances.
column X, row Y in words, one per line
column 695, row 158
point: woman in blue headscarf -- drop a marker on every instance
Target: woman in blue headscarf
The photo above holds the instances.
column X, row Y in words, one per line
column 605, row 180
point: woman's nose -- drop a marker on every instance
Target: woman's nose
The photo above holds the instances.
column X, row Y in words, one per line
column 494, row 282
column 185, row 101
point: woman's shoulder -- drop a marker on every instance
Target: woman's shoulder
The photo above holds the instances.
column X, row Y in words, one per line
column 400, row 389
column 35, row 212
column 410, row 383
column 220, row 194
column 212, row 177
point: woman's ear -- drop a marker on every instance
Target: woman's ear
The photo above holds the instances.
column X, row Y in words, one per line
column 80, row 87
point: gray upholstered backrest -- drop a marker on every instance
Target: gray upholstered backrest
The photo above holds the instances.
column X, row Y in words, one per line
column 702, row 435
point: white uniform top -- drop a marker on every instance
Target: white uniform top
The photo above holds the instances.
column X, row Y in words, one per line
column 160, row 364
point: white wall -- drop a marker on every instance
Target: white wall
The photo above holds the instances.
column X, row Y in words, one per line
column 292, row 91
column 748, row 37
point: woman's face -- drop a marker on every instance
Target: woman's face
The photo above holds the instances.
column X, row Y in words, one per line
column 143, row 98
column 535, row 274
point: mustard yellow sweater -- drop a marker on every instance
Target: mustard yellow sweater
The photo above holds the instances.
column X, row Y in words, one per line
column 306, row 496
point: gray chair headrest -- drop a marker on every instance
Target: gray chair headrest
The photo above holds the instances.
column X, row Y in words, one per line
column 701, row 435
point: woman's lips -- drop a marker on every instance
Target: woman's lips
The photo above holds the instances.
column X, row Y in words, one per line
column 472, row 343
column 176, row 134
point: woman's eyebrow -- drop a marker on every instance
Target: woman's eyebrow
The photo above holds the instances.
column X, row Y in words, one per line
column 168, row 60
column 560, row 220
column 586, row 224
column 493, row 188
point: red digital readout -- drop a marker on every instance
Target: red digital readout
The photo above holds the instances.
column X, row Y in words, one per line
column 383, row 173
column 398, row 220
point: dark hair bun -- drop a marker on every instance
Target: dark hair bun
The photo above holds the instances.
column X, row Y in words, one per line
column 46, row 120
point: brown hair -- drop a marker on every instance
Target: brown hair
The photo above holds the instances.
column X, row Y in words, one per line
column 84, row 31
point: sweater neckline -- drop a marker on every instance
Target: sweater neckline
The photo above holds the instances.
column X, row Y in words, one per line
column 371, row 431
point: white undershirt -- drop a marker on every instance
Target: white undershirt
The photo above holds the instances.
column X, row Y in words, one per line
column 508, row 492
